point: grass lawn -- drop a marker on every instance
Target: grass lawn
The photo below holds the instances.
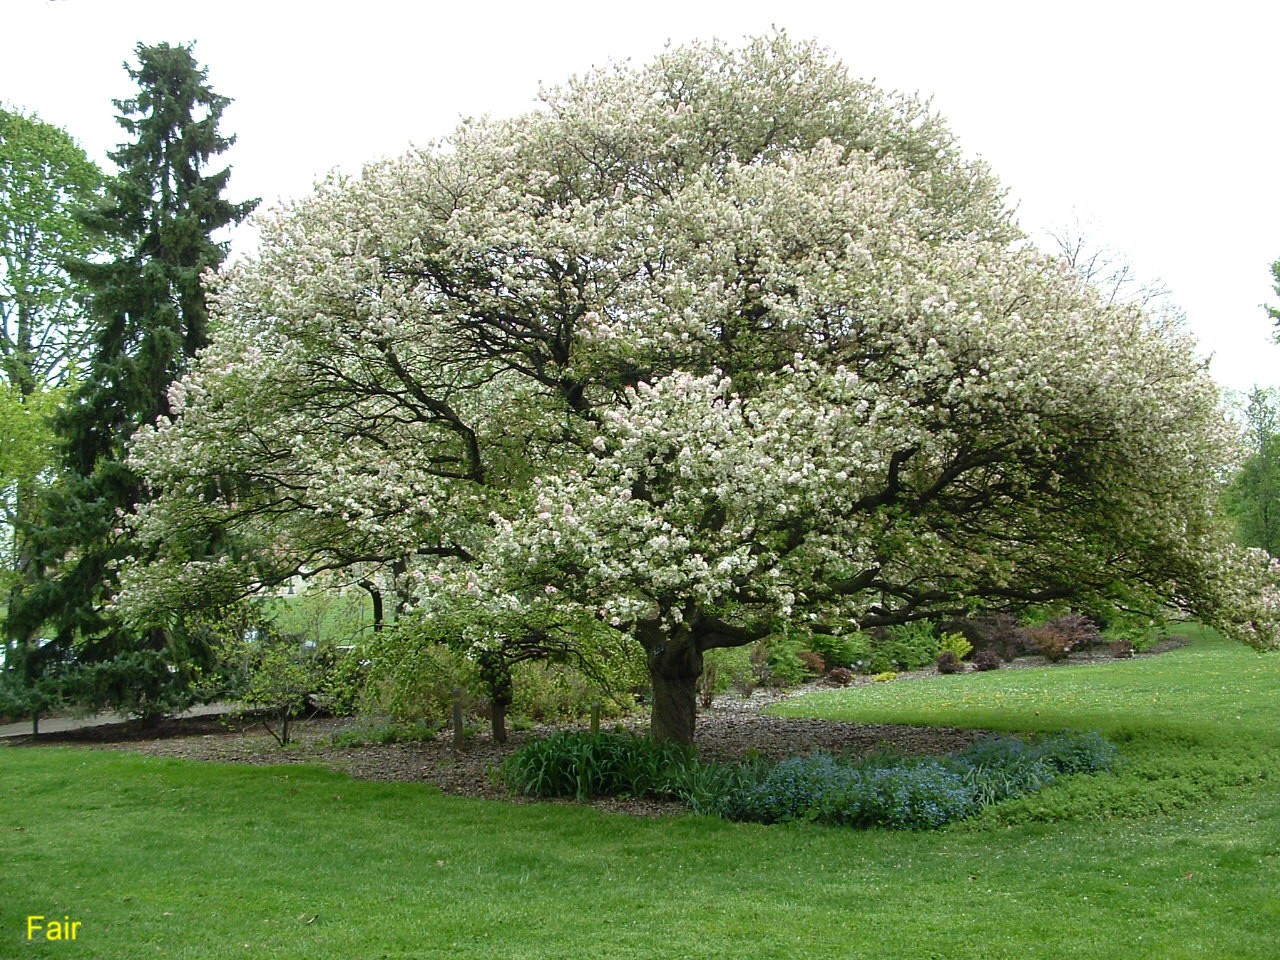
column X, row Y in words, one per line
column 1179, row 856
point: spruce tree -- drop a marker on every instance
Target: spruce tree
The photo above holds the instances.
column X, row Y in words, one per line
column 148, row 317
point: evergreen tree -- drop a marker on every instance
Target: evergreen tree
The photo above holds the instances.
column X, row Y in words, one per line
column 148, row 318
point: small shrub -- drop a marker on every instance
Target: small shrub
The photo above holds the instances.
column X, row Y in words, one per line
column 813, row 662
column 884, row 677
column 1050, row 644
column 839, row 677
column 1003, row 634
column 955, row 643
column 1058, row 638
column 841, row 651
column 344, row 675
column 948, row 662
column 986, row 660
column 384, row 733
column 730, row 668
column 906, row 646
column 782, row 665
column 1140, row 631
column 411, row 677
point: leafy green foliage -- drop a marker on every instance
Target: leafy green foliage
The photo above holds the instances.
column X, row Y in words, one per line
column 554, row 692
column 1252, row 500
column 729, row 668
column 780, row 662
column 586, row 765
column 147, row 319
column 384, row 733
column 903, row 647
column 46, row 182
column 840, row 650
column 916, row 793
column 956, row 644
column 413, row 678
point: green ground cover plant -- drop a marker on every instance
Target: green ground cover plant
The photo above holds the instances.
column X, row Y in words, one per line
column 887, row 790
column 1191, row 724
column 164, row 858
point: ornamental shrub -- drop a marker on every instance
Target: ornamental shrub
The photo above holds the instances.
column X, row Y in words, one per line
column 906, row 646
column 1056, row 639
column 1002, row 634
column 731, row 669
column 948, row 662
column 814, row 663
column 956, row 643
column 986, row 660
column 782, row 665
column 848, row 650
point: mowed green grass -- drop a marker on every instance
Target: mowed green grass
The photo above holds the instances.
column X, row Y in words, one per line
column 162, row 858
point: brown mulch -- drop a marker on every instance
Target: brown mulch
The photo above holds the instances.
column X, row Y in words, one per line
column 732, row 728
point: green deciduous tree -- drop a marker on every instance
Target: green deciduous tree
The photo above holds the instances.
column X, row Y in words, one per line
column 724, row 346
column 1253, row 498
column 46, row 181
column 147, row 319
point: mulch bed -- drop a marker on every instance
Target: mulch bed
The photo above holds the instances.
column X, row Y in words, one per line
column 732, row 728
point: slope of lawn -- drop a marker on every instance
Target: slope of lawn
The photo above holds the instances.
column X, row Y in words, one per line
column 161, row 858
column 1192, row 724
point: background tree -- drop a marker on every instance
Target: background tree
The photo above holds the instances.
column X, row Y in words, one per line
column 722, row 346
column 1253, row 498
column 45, row 182
column 1274, row 312
column 147, row 317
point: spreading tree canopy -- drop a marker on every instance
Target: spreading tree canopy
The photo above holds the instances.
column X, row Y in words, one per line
column 695, row 352
column 147, row 319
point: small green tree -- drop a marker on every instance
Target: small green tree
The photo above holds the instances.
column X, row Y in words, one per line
column 281, row 671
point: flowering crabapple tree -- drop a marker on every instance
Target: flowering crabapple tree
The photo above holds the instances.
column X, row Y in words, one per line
column 699, row 351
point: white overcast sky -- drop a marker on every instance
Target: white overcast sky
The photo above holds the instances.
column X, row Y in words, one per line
column 1154, row 124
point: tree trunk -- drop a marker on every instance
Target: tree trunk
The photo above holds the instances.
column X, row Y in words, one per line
column 499, row 721
column 675, row 662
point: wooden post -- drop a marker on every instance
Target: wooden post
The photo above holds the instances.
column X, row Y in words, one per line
column 457, row 718
column 595, row 717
